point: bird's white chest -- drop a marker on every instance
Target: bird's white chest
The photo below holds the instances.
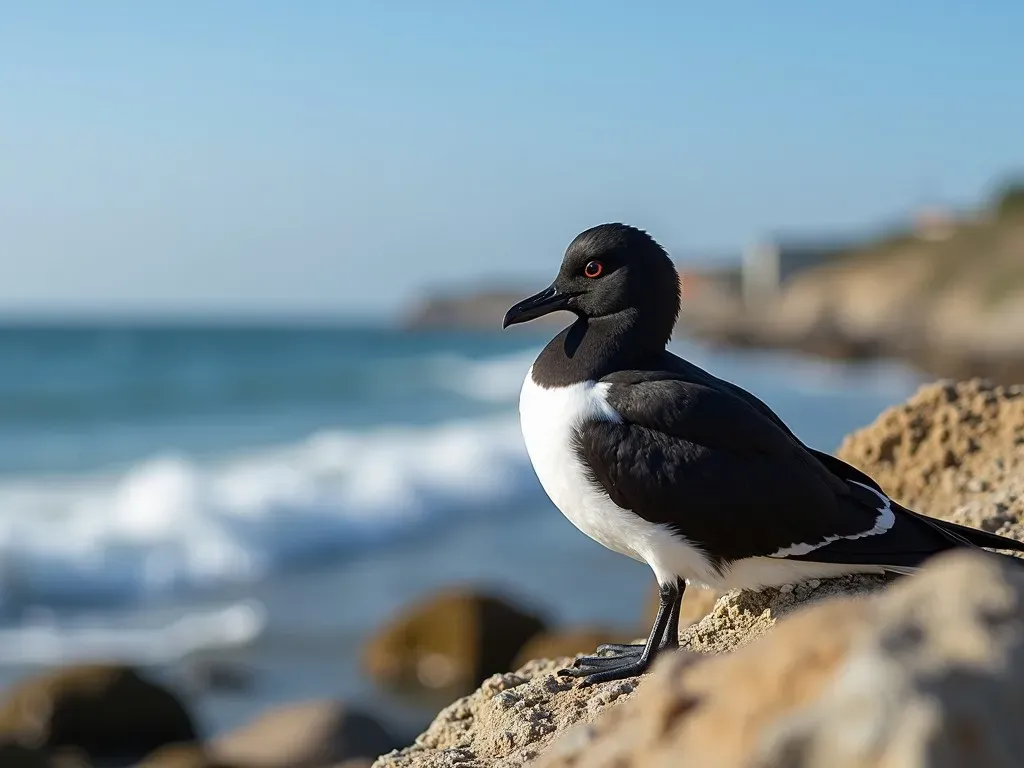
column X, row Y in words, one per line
column 549, row 419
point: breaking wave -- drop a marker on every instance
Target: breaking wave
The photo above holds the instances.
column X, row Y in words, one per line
column 173, row 522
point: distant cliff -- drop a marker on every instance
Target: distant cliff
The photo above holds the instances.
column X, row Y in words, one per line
column 481, row 310
column 949, row 299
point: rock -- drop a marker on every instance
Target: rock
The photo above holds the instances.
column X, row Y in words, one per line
column 307, row 735
column 938, row 678
column 14, row 755
column 449, row 642
column 512, row 718
column 740, row 617
column 509, row 720
column 559, row 643
column 183, row 756
column 928, row 672
column 951, row 305
column 105, row 711
column 947, row 446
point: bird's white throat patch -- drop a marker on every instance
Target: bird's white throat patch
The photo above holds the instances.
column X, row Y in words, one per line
column 549, row 418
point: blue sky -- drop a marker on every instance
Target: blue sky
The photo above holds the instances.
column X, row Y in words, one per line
column 340, row 157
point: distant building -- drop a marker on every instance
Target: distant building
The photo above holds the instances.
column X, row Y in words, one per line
column 767, row 265
column 935, row 223
column 689, row 284
column 695, row 281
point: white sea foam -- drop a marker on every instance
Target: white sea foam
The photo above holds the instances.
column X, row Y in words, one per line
column 42, row 637
column 170, row 522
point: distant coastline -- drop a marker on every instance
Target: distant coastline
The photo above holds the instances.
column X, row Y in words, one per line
column 946, row 295
column 480, row 310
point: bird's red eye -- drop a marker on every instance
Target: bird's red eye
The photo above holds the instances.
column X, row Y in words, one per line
column 593, row 269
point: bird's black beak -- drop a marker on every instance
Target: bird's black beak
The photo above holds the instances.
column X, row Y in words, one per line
column 540, row 304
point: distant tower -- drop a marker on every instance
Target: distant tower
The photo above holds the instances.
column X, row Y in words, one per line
column 761, row 272
column 932, row 219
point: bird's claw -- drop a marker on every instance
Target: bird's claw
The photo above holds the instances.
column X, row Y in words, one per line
column 621, row 649
column 599, row 669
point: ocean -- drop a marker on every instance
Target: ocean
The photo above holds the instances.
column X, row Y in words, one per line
column 182, row 495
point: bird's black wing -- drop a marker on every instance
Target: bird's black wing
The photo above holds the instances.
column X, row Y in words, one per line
column 972, row 536
column 725, row 477
column 961, row 534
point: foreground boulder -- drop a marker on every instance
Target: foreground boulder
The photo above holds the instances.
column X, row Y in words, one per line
column 104, row 712
column 449, row 642
column 929, row 673
column 772, row 679
column 512, row 718
column 307, row 735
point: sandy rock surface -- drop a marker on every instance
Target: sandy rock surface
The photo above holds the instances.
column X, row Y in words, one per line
column 929, row 672
column 740, row 617
column 953, row 450
column 512, row 718
column 509, row 720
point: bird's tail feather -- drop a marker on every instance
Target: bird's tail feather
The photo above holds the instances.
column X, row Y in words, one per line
column 902, row 570
column 977, row 537
column 955, row 535
column 966, row 536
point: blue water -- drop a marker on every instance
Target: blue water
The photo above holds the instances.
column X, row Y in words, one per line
column 257, row 492
column 79, row 398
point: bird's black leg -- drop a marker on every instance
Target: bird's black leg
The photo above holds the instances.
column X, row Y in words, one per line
column 611, row 652
column 628, row 662
column 671, row 638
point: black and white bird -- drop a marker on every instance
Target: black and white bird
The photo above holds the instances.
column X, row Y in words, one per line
column 657, row 459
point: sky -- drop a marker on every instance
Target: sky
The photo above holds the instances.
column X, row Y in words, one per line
column 342, row 158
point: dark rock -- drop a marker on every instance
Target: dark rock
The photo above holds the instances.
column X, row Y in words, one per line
column 307, row 735
column 105, row 712
column 13, row 755
column 449, row 642
column 184, row 756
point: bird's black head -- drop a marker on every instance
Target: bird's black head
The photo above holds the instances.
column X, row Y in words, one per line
column 611, row 269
